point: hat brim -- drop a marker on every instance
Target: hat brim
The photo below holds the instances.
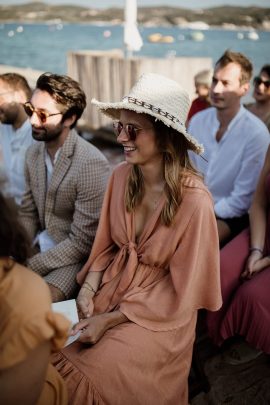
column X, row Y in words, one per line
column 113, row 111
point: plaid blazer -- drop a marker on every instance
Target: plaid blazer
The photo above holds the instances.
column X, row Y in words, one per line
column 69, row 209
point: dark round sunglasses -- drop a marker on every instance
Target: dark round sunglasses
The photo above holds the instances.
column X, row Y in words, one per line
column 257, row 81
column 42, row 115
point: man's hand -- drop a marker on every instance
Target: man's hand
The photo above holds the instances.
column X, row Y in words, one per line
column 56, row 294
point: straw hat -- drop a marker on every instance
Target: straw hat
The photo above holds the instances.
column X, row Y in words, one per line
column 159, row 97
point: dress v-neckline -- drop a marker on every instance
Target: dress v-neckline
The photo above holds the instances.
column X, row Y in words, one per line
column 147, row 227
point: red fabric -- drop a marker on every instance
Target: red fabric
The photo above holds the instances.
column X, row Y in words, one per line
column 246, row 304
column 197, row 105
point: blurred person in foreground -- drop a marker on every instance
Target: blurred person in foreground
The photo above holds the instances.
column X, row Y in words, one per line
column 235, row 144
column 29, row 328
column 202, row 81
column 261, row 94
column 65, row 183
column 245, row 280
column 15, row 133
column 154, row 263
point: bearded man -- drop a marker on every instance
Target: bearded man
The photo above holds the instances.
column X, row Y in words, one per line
column 65, row 183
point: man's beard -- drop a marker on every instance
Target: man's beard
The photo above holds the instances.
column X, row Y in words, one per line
column 44, row 134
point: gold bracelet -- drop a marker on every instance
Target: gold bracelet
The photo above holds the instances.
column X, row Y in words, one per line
column 86, row 288
column 90, row 287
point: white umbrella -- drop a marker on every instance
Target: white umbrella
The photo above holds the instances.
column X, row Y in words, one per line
column 132, row 37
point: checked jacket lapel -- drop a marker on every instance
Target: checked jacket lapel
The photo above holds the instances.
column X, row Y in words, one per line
column 60, row 170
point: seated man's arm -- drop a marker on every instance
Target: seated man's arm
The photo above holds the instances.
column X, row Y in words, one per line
column 28, row 211
column 91, row 184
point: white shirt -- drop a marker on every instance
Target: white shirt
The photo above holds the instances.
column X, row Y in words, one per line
column 234, row 163
column 43, row 238
column 13, row 146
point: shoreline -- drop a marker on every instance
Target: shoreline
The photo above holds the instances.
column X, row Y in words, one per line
column 188, row 26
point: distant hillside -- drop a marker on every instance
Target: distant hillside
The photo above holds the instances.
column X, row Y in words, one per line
column 228, row 16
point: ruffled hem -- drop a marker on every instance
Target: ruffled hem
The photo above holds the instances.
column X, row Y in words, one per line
column 81, row 389
column 15, row 345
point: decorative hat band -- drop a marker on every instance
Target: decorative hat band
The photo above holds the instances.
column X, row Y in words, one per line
column 156, row 110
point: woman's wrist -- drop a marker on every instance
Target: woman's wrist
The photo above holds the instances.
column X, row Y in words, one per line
column 87, row 286
column 253, row 249
column 115, row 318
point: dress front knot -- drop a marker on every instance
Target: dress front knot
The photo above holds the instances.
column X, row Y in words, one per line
column 131, row 246
column 124, row 267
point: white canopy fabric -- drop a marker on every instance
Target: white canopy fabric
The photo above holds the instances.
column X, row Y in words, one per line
column 132, row 38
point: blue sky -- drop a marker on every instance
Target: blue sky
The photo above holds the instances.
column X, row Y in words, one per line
column 177, row 3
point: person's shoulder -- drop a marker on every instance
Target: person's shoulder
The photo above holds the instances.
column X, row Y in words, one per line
column 254, row 128
column 34, row 149
column 252, row 121
column 88, row 151
column 201, row 117
column 120, row 173
column 27, row 289
column 194, row 185
column 122, row 168
column 207, row 112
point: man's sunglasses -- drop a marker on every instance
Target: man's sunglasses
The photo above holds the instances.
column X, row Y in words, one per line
column 257, row 81
column 130, row 130
column 42, row 115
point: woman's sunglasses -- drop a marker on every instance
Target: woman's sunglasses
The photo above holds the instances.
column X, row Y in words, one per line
column 257, row 81
column 130, row 130
column 42, row 115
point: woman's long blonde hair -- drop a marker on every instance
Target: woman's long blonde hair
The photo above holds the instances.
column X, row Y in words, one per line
column 176, row 162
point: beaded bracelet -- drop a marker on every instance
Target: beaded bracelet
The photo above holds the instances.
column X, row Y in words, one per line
column 255, row 249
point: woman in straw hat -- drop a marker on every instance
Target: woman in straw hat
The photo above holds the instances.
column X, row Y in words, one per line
column 154, row 263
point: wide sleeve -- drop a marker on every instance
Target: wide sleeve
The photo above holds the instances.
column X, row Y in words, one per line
column 193, row 279
column 26, row 317
column 20, row 338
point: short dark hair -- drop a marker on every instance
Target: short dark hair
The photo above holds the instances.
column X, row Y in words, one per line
column 17, row 82
column 266, row 69
column 14, row 241
column 65, row 91
column 241, row 60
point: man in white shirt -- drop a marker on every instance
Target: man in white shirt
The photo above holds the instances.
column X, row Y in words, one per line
column 15, row 133
column 235, row 143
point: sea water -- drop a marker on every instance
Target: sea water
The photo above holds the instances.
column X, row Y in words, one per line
column 45, row 46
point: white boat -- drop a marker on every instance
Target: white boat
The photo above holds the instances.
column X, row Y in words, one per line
column 196, row 36
column 253, row 36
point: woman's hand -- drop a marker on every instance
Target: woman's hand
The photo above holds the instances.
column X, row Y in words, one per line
column 92, row 329
column 255, row 264
column 85, row 303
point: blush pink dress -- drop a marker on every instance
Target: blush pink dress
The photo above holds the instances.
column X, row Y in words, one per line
column 158, row 282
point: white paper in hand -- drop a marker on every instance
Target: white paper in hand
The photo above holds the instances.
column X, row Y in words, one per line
column 69, row 310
